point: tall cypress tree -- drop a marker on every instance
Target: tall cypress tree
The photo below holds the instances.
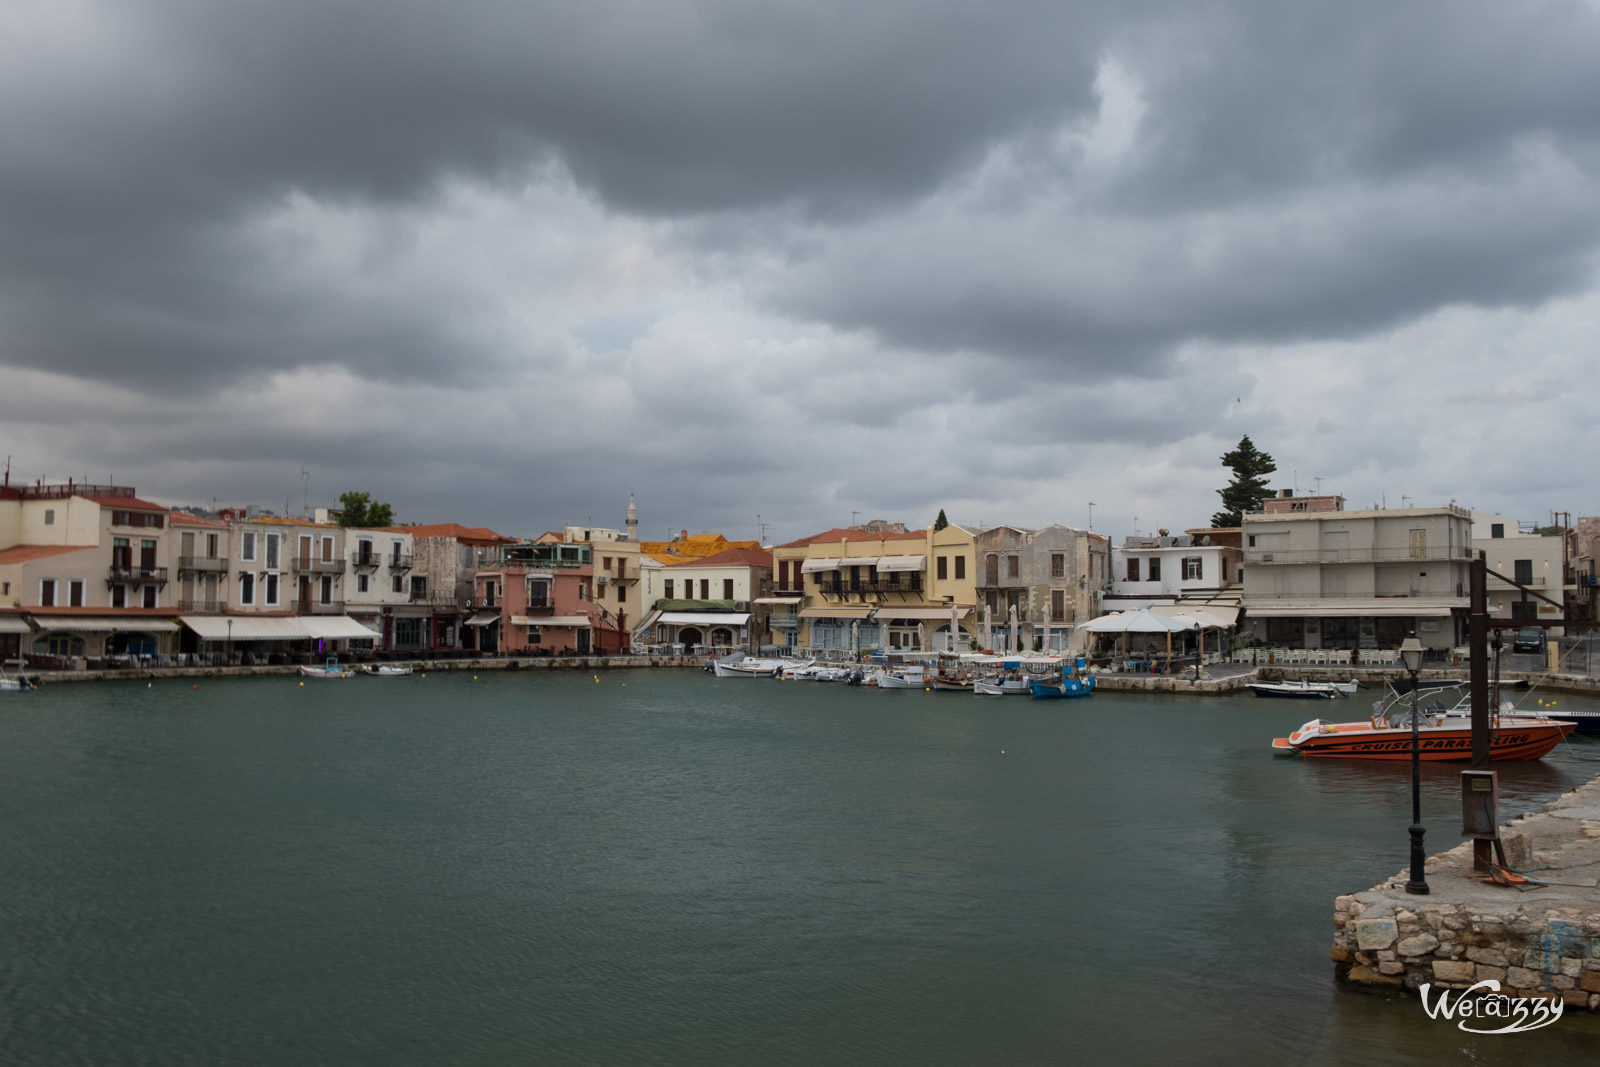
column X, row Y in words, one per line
column 1248, row 489
column 941, row 522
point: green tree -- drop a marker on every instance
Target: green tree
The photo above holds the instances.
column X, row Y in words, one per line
column 1248, row 489
column 941, row 522
column 357, row 509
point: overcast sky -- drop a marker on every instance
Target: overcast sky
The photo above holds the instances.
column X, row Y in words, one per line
column 503, row 262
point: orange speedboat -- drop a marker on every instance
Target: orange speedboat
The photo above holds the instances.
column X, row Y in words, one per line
column 1444, row 732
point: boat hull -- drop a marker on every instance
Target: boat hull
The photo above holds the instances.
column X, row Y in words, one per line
column 1067, row 687
column 1515, row 739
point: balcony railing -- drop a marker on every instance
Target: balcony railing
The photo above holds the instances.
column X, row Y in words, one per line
column 307, row 565
column 320, row 607
column 365, row 560
column 1430, row 553
column 149, row 575
column 216, row 564
column 900, row 582
column 399, row 561
column 784, row 620
column 1500, row 585
column 211, row 606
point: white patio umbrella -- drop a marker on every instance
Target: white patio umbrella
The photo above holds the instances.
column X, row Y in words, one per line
column 955, row 626
column 1015, row 641
column 988, row 626
column 1142, row 621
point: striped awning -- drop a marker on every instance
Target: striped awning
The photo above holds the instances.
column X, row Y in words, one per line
column 704, row 618
column 10, row 624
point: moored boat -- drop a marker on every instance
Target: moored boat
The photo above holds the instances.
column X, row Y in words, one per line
column 1074, row 681
column 330, row 669
column 385, row 670
column 1444, row 732
column 1304, row 690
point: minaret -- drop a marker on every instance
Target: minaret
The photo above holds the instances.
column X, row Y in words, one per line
column 633, row 520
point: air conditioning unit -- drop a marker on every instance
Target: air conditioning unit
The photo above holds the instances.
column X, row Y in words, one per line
column 603, row 580
column 1266, row 557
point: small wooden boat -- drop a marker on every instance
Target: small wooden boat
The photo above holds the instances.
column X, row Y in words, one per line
column 1444, row 732
column 330, row 669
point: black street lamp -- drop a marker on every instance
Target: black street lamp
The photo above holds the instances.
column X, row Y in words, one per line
column 1411, row 655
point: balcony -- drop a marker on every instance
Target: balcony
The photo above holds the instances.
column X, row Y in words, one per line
column 1500, row 585
column 784, row 620
column 1371, row 554
column 137, row 575
column 365, row 560
column 319, row 607
column 202, row 564
column 897, row 582
column 305, row 565
column 399, row 561
column 206, row 607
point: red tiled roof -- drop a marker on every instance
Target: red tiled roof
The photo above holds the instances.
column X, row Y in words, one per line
column 26, row 553
column 839, row 534
column 189, row 518
column 124, row 503
column 729, row 557
column 469, row 535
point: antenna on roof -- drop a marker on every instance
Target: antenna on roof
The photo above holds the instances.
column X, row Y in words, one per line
column 305, row 493
column 853, row 516
column 761, row 528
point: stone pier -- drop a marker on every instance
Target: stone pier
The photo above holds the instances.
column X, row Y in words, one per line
column 1538, row 940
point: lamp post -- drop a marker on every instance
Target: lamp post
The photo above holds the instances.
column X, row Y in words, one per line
column 230, row 643
column 1417, row 884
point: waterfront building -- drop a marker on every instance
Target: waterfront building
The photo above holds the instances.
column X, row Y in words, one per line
column 858, row 589
column 1318, row 576
column 543, row 595
column 446, row 555
column 1583, row 573
column 83, row 574
column 719, row 601
column 1535, row 561
column 1053, row 578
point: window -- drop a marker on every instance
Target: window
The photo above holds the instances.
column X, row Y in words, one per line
column 327, row 549
column 364, row 550
column 1058, row 564
column 1496, row 529
column 538, row 594
column 667, row 589
column 362, row 584
column 211, row 546
column 270, row 590
column 942, row 569
column 147, row 555
column 605, row 562
column 622, row 594
column 272, row 553
column 1058, row 605
column 1011, row 567
column 327, row 589
column 408, row 633
column 961, row 567
column 247, row 588
column 150, row 596
column 419, row 587
column 75, row 593
column 727, row 589
column 395, row 585
column 583, row 590
column 49, row 516
column 1155, row 568
column 47, row 592
column 1133, row 568
column 247, row 546
column 121, row 554
column 119, row 596
column 1522, row 571
column 1193, row 570
column 395, row 555
column 1252, row 541
column 705, row 589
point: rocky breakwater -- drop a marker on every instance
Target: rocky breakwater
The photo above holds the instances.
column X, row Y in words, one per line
column 1537, row 940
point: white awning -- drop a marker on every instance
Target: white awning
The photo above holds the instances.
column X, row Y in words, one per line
column 244, row 628
column 778, row 600
column 840, row 612
column 889, row 611
column 484, row 618
column 1217, row 617
column 811, row 566
column 704, row 618
column 558, row 622
column 1396, row 608
column 107, row 626
column 336, row 628
column 901, row 563
column 858, row 561
column 12, row 625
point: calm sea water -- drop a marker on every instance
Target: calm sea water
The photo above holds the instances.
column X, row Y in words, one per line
column 660, row 867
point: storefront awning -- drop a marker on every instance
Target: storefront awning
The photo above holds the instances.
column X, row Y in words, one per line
column 1392, row 609
column 858, row 561
column 704, row 618
column 13, row 625
column 336, row 628
column 107, row 626
column 558, row 622
column 811, row 566
column 244, row 628
column 841, row 612
column 1215, row 617
column 484, row 618
column 889, row 611
column 901, row 563
column 779, row 600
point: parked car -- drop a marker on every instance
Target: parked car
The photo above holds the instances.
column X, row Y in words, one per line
column 1528, row 639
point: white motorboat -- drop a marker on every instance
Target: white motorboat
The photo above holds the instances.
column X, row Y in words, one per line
column 330, row 669
column 385, row 670
column 1304, row 690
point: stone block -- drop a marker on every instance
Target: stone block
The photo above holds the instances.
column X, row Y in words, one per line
column 1574, row 998
column 1453, row 970
column 1571, row 966
column 1341, row 954
column 1562, row 982
column 1373, row 934
column 1386, row 955
column 1369, row 976
column 1485, row 973
column 1392, row 967
column 1590, row 981
column 1493, row 957
column 1420, row 945
column 1523, row 978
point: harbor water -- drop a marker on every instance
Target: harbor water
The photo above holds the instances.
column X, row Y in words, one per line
column 658, row 867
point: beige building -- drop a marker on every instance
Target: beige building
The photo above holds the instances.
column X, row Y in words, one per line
column 1518, row 556
column 1052, row 578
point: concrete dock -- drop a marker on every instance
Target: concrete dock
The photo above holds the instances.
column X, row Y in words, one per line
column 1537, row 939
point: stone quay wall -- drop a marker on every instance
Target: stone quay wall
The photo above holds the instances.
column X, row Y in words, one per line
column 1541, row 941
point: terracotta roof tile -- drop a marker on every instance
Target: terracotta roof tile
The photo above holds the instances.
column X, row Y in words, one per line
column 27, row 553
